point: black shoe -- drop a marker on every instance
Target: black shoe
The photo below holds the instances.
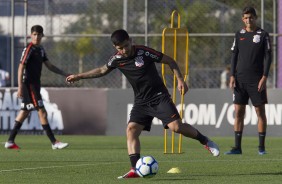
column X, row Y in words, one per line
column 261, row 150
column 234, row 151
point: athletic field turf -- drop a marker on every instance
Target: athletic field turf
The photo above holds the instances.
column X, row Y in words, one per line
column 101, row 159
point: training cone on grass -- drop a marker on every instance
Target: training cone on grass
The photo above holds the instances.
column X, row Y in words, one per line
column 174, row 170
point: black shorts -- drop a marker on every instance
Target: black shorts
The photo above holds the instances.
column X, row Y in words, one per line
column 31, row 97
column 162, row 108
column 244, row 91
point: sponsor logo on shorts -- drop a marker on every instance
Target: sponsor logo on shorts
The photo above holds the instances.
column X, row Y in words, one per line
column 29, row 106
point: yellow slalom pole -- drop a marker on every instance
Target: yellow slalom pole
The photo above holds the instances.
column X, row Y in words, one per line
column 165, row 141
column 181, row 116
column 173, row 36
column 182, row 94
column 164, row 80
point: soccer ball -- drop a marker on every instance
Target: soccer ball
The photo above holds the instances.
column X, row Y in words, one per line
column 147, row 167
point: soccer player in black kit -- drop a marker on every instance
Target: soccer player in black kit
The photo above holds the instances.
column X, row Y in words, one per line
column 152, row 98
column 29, row 84
column 250, row 64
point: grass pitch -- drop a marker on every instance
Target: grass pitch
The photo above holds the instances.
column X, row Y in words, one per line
column 101, row 159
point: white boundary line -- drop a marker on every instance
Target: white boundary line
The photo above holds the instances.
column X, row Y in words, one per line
column 51, row 167
column 108, row 163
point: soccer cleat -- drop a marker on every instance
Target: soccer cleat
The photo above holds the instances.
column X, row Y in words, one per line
column 130, row 174
column 234, row 151
column 261, row 151
column 11, row 145
column 213, row 148
column 59, row 145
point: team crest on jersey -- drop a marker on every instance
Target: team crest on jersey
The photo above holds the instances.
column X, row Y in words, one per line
column 256, row 39
column 139, row 61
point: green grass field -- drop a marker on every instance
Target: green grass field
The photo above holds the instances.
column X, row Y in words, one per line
column 100, row 159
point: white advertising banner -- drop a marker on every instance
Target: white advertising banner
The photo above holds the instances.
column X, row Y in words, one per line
column 106, row 111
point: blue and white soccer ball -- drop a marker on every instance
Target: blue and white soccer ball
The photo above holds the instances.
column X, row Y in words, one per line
column 147, row 167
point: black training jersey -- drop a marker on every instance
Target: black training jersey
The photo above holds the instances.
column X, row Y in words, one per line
column 32, row 57
column 251, row 55
column 141, row 72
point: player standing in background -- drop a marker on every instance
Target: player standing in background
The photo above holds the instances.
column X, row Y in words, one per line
column 224, row 78
column 250, row 64
column 29, row 84
column 4, row 77
column 152, row 98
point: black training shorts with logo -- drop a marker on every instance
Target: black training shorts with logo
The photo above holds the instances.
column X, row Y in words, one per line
column 245, row 91
column 31, row 97
column 162, row 108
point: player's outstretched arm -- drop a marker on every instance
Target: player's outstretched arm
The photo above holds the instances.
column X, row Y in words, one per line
column 95, row 73
column 182, row 86
column 20, row 80
column 55, row 69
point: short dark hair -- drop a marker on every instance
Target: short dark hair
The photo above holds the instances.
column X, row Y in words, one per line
column 37, row 28
column 119, row 36
column 250, row 10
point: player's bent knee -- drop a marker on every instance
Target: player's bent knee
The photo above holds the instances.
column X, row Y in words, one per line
column 174, row 126
column 134, row 129
column 131, row 128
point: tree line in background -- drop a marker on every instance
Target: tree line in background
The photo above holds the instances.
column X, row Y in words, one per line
column 208, row 55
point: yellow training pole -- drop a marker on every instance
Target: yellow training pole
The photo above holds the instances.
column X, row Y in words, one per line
column 182, row 93
column 163, row 76
column 179, row 52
